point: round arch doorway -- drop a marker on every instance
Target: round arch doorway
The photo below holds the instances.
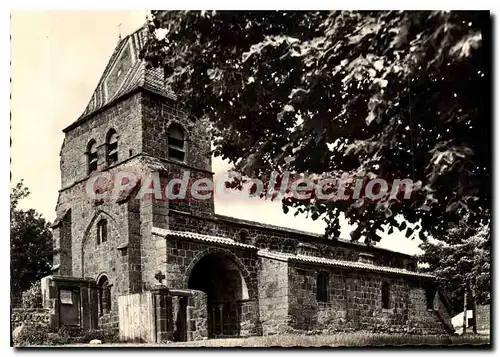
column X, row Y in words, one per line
column 218, row 276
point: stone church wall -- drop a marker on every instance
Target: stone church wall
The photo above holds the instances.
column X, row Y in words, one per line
column 124, row 117
column 355, row 302
column 282, row 240
column 273, row 296
column 182, row 255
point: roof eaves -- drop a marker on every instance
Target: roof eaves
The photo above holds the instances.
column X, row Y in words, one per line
column 339, row 263
column 200, row 237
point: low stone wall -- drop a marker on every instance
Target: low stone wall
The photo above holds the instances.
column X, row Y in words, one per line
column 33, row 315
column 197, row 316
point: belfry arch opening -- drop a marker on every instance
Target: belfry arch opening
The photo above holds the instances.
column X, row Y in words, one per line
column 218, row 276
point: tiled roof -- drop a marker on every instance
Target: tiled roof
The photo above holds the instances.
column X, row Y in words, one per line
column 339, row 263
column 137, row 76
column 285, row 256
column 200, row 237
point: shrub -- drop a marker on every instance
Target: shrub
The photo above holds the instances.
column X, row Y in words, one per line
column 33, row 296
column 89, row 335
column 37, row 335
column 32, row 335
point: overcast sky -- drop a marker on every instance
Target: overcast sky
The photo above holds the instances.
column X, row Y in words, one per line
column 57, row 59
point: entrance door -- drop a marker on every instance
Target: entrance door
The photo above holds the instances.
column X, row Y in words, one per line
column 220, row 278
column 181, row 321
column 69, row 307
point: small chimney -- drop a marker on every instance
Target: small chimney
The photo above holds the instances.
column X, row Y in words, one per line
column 366, row 258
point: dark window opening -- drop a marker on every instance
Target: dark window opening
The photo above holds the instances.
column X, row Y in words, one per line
column 385, row 295
column 92, row 156
column 322, row 286
column 429, row 295
column 104, row 297
column 176, row 143
column 288, row 247
column 102, row 231
column 112, row 147
column 243, row 237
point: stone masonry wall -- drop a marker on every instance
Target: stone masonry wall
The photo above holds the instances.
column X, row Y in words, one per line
column 197, row 316
column 124, row 117
column 483, row 317
column 355, row 303
column 283, row 240
column 273, row 296
column 158, row 113
column 182, row 256
column 30, row 315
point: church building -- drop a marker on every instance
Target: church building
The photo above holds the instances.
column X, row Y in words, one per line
column 175, row 270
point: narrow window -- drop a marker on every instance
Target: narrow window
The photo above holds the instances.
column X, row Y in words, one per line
column 92, row 156
column 288, row 247
column 322, row 286
column 243, row 237
column 176, row 143
column 104, row 295
column 111, row 147
column 385, row 295
column 102, row 231
column 429, row 297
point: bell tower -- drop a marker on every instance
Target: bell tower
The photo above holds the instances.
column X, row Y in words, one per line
column 131, row 124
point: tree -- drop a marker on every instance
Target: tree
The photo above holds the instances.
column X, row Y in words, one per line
column 30, row 242
column 374, row 94
column 463, row 267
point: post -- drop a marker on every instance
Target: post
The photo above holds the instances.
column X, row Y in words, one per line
column 221, row 316
column 474, row 320
column 464, row 326
column 160, row 293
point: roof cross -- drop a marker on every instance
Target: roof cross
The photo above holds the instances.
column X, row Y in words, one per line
column 120, row 31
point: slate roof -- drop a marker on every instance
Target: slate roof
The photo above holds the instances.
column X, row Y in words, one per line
column 137, row 76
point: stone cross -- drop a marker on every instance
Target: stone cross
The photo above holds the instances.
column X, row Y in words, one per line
column 159, row 276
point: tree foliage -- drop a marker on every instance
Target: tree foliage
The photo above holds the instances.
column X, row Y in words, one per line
column 30, row 243
column 387, row 94
column 462, row 266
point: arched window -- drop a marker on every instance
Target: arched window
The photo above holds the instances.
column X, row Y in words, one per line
column 243, row 235
column 288, row 247
column 111, row 147
column 385, row 295
column 411, row 266
column 176, row 143
column 430, row 293
column 261, row 243
column 322, row 286
column 104, row 295
column 91, row 156
column 102, row 231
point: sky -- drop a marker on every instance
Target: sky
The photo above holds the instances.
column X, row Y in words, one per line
column 57, row 59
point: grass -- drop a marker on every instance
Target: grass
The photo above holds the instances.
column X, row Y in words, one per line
column 354, row 339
